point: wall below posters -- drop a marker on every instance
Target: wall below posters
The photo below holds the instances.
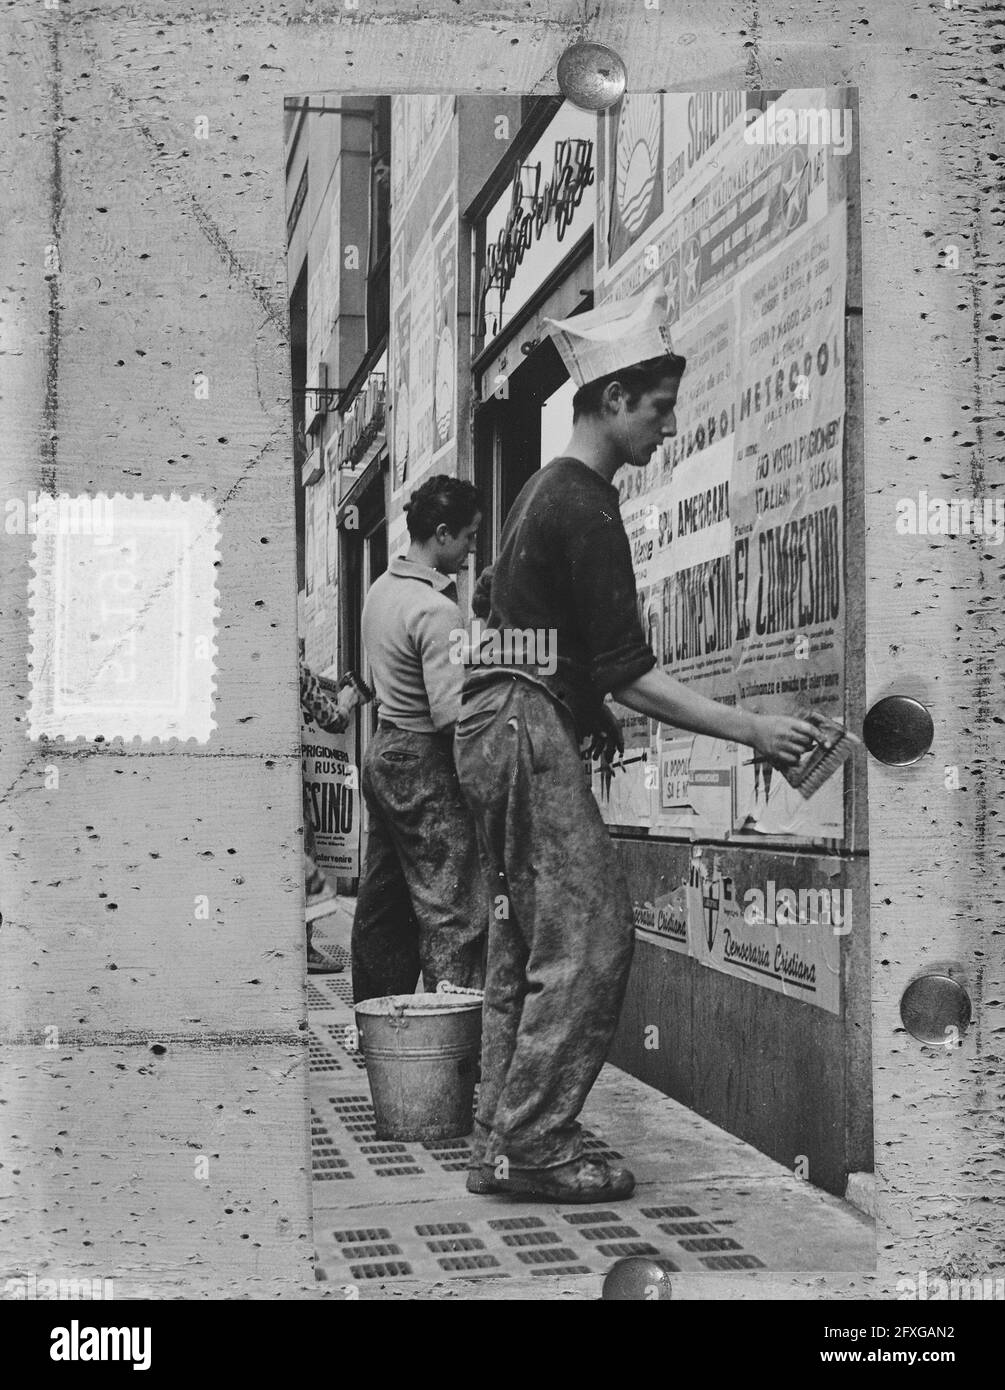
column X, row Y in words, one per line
column 702, row 1024
column 737, row 524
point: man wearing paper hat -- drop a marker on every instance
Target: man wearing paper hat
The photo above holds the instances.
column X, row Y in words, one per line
column 618, row 335
column 561, row 933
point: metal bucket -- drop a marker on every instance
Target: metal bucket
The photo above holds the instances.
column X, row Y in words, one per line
column 421, row 1053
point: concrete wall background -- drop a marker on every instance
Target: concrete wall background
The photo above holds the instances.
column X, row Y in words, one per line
column 160, row 239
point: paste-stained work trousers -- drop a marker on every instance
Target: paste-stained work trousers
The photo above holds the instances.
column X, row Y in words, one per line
column 558, row 963
column 422, row 904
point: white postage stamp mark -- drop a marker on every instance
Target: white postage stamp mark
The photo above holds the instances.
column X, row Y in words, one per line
column 124, row 605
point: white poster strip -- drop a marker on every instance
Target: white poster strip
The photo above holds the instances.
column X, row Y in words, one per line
column 331, row 787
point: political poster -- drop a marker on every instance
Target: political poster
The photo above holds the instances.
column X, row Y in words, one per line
column 444, row 334
column 398, row 371
column 736, row 524
column 785, row 940
column 637, row 163
column 331, row 797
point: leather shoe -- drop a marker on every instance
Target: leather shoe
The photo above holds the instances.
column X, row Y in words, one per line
column 481, row 1181
column 581, row 1181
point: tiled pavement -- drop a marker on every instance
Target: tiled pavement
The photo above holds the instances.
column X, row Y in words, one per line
column 704, row 1200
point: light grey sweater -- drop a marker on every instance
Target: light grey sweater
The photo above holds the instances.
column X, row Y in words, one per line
column 411, row 623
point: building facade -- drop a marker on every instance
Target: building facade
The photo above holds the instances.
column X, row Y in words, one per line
column 430, row 239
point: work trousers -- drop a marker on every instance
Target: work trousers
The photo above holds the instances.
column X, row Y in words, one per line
column 560, row 930
column 422, row 906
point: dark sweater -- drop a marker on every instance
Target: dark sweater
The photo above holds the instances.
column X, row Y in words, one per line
column 565, row 568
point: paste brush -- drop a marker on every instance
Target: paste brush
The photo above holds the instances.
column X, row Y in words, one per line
column 351, row 678
column 832, row 747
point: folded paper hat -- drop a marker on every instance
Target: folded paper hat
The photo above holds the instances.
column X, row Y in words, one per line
column 616, row 335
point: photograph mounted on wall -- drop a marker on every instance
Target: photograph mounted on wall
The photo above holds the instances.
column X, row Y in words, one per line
column 579, row 471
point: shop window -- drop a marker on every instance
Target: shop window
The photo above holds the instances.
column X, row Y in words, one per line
column 517, row 434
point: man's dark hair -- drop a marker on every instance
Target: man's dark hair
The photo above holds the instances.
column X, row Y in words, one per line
column 636, row 381
column 441, row 500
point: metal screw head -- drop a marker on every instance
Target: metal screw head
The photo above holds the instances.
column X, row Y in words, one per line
column 935, row 1008
column 592, row 76
column 636, row 1279
column 898, row 730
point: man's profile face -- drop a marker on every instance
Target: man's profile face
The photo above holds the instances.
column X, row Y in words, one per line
column 651, row 420
column 455, row 549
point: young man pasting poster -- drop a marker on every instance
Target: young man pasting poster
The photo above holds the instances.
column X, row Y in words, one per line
column 561, row 932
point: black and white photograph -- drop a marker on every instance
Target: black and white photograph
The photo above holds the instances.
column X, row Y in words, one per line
column 578, row 447
column 500, row 592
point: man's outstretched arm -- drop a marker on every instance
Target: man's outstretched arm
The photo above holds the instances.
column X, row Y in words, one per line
column 659, row 696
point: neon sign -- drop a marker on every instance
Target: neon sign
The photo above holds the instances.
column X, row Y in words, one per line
column 534, row 208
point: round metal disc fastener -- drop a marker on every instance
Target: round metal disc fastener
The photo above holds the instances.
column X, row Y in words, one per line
column 635, row 1279
column 898, row 730
column 592, row 76
column 935, row 1009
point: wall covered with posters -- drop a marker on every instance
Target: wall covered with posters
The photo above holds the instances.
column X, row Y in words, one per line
column 750, row 900
column 737, row 524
